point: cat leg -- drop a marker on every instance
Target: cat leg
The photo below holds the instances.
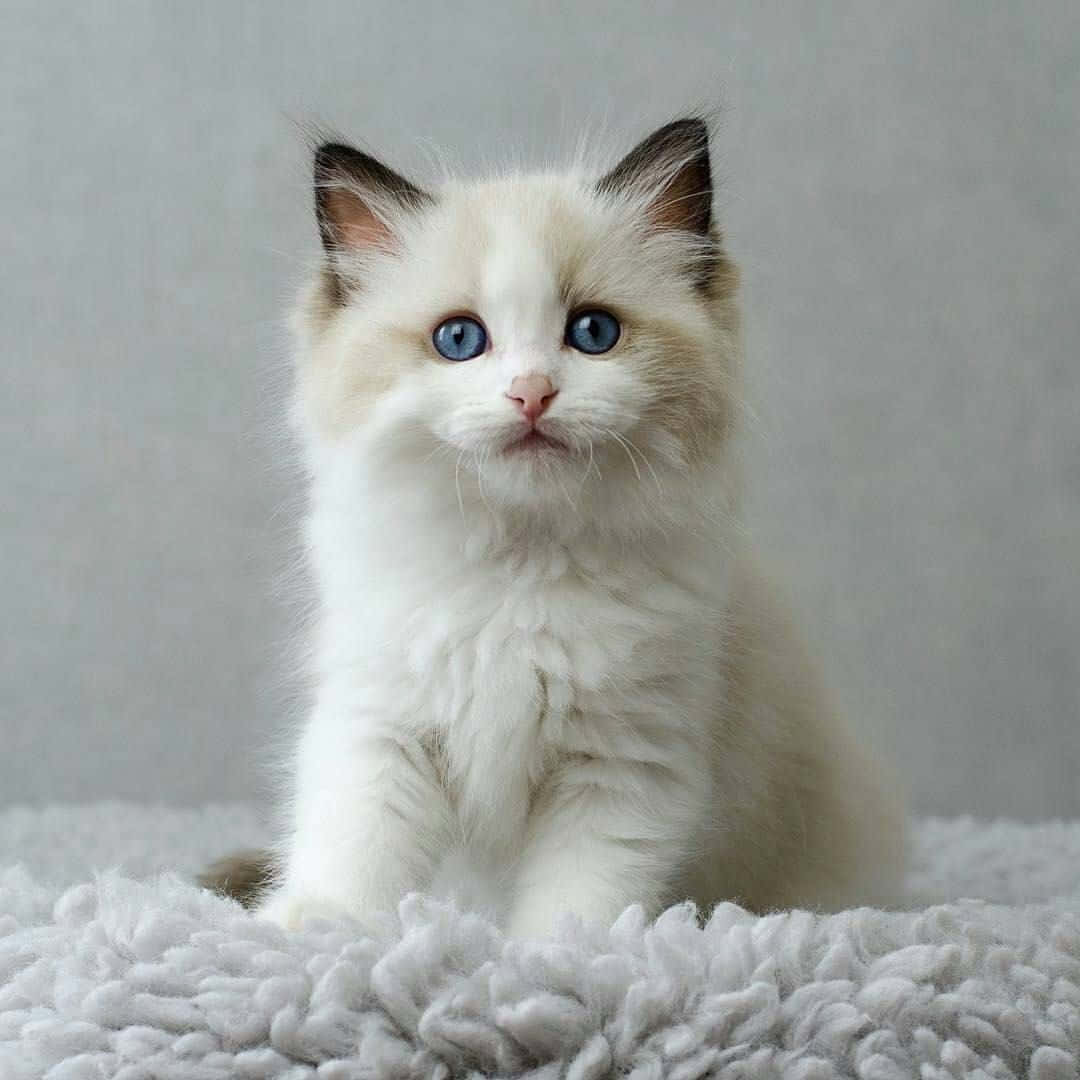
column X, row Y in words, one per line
column 370, row 819
column 605, row 836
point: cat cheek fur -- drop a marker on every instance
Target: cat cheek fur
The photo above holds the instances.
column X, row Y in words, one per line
column 559, row 679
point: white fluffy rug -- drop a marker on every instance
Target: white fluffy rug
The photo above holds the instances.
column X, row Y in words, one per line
column 134, row 974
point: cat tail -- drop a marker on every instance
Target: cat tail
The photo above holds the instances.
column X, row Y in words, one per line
column 243, row 876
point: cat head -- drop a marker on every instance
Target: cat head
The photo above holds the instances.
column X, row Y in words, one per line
column 527, row 340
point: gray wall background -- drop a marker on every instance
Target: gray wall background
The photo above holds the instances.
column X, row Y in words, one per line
column 900, row 186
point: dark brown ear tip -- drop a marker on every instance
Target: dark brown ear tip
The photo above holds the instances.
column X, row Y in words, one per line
column 333, row 151
column 325, row 157
column 691, row 129
column 336, row 163
column 688, row 137
column 334, row 157
column 671, row 166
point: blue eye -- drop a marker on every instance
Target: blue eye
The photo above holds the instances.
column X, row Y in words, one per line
column 592, row 331
column 459, row 338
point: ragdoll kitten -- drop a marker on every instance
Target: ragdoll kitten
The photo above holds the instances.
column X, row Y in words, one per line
column 549, row 677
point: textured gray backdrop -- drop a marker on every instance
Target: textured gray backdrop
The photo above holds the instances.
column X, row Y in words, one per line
column 900, row 185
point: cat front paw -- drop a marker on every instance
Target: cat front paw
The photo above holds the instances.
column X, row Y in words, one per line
column 537, row 919
column 291, row 910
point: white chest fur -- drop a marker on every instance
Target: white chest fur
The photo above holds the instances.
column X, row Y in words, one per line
column 508, row 659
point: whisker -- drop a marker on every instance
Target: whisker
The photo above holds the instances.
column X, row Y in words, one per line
column 562, row 487
column 480, row 478
column 442, row 449
column 619, row 439
column 592, row 462
column 457, row 485
column 648, row 465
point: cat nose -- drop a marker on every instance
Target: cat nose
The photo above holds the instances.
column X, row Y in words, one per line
column 532, row 394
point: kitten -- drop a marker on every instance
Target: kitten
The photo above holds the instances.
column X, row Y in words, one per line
column 549, row 677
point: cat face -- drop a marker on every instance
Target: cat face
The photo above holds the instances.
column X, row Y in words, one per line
column 538, row 336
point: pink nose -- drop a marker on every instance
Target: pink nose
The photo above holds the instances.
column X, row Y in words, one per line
column 532, row 394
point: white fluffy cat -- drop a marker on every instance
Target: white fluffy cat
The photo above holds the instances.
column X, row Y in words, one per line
column 548, row 677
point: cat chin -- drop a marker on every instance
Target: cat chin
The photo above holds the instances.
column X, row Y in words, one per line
column 533, row 478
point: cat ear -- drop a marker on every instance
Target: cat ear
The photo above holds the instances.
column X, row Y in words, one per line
column 357, row 199
column 670, row 172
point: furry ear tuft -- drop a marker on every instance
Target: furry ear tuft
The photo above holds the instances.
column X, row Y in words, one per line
column 670, row 169
column 355, row 199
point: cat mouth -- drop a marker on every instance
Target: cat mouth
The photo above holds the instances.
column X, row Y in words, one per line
column 535, row 441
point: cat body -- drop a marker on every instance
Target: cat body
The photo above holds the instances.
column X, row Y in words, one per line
column 548, row 677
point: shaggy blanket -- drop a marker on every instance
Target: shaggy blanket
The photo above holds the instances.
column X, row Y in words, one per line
column 113, row 965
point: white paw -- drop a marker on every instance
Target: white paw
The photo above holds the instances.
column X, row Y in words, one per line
column 291, row 910
column 536, row 921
